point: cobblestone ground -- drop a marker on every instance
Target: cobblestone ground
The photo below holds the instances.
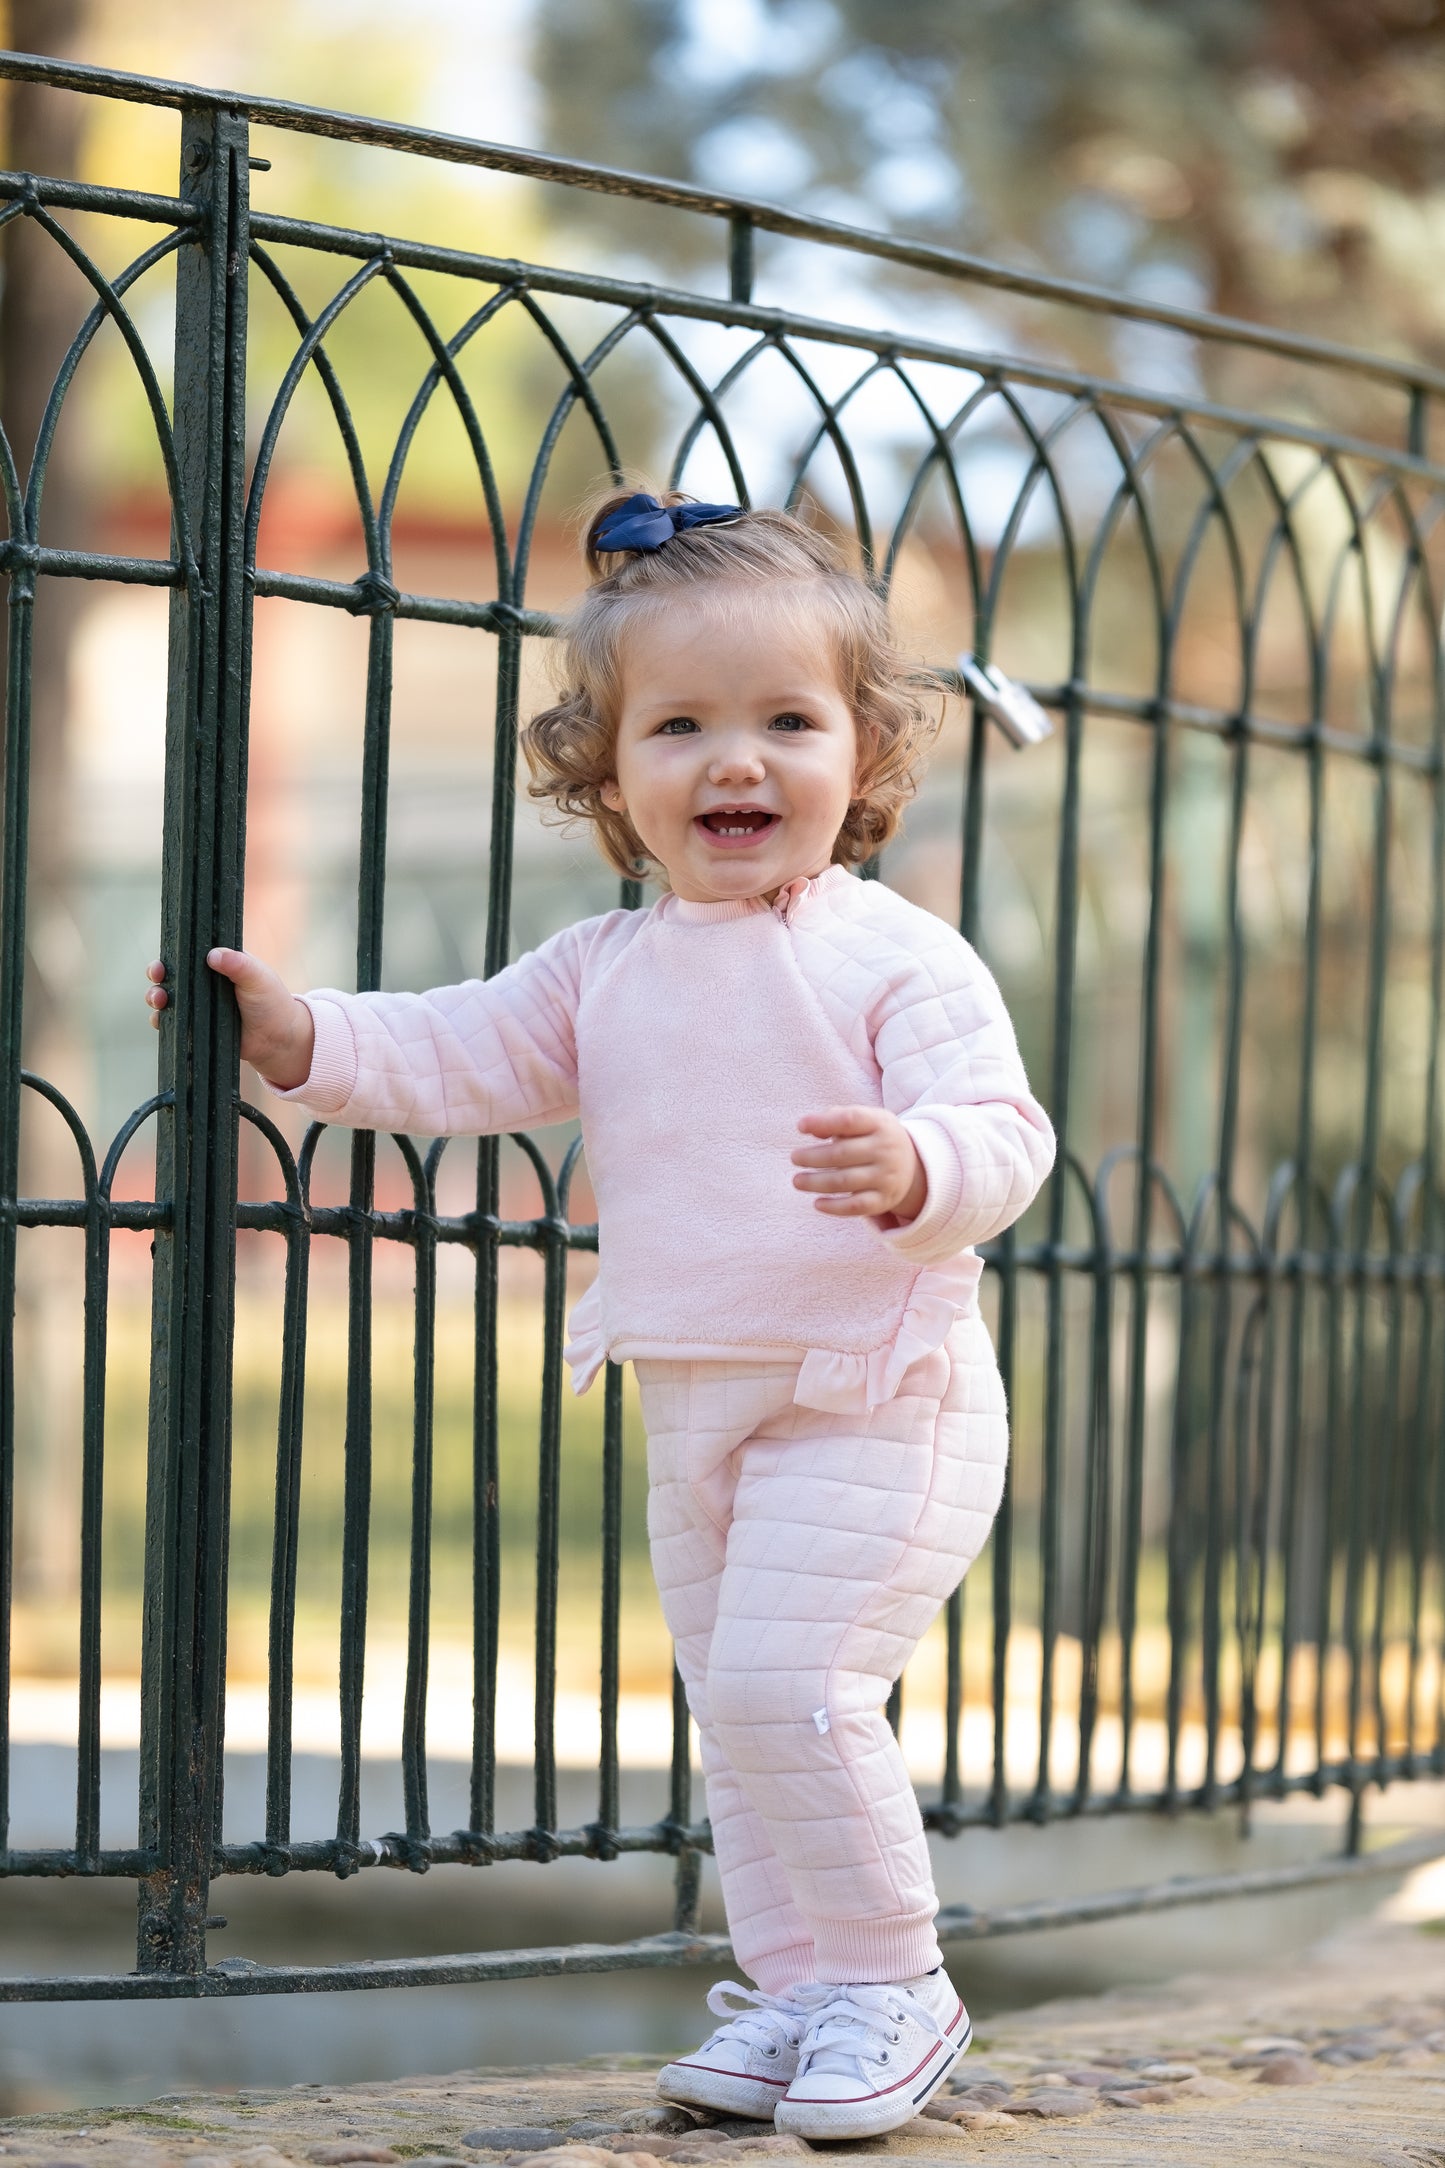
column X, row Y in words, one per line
column 1337, row 2057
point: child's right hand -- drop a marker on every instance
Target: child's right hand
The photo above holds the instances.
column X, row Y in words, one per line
column 277, row 1034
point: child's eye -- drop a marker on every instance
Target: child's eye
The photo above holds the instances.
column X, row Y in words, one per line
column 676, row 726
column 790, row 722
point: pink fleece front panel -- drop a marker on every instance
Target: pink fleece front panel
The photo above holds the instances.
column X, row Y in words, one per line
column 800, row 1557
column 705, row 1043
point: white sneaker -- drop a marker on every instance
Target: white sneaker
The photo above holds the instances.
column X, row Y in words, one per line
column 747, row 2065
column 872, row 2056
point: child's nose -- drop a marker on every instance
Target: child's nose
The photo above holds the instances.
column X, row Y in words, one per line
column 735, row 759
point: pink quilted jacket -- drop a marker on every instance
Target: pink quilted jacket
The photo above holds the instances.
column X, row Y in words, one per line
column 690, row 1038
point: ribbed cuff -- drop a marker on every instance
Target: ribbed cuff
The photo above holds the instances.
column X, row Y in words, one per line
column 331, row 1079
column 775, row 1971
column 859, row 1953
column 926, row 1239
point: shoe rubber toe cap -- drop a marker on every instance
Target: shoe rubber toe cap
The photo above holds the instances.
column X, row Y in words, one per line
column 831, row 2085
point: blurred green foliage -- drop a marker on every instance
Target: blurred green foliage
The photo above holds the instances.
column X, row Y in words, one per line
column 323, row 1461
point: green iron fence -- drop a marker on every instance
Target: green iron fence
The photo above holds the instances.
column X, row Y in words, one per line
column 1224, row 1541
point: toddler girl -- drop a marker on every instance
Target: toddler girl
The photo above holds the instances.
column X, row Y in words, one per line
column 803, row 1104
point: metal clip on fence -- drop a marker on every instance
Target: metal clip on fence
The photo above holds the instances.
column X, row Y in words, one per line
column 1011, row 705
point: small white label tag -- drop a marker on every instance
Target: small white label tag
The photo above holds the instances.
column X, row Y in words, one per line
column 820, row 1720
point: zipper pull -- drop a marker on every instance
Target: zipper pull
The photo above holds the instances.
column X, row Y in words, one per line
column 786, row 901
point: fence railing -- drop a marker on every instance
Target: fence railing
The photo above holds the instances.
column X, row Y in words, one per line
column 1217, row 902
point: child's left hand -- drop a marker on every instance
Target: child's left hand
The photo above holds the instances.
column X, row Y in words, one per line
column 868, row 1164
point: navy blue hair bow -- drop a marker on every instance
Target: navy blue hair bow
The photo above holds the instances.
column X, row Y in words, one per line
column 641, row 523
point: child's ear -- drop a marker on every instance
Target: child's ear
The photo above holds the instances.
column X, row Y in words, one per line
column 612, row 796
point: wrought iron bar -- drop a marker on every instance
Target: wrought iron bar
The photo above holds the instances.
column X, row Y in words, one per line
column 238, row 1976
column 183, row 1658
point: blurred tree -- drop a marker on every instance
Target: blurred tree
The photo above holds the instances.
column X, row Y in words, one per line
column 42, row 300
column 1275, row 158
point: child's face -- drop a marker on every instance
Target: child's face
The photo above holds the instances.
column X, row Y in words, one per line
column 737, row 753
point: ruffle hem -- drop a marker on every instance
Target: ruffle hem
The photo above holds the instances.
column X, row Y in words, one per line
column 829, row 1380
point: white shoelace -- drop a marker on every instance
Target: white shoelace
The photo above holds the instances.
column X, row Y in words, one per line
column 764, row 2021
column 858, row 2024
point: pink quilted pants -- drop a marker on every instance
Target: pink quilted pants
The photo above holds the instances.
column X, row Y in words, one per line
column 800, row 1557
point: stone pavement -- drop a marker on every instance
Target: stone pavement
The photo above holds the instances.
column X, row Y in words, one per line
column 1338, row 2057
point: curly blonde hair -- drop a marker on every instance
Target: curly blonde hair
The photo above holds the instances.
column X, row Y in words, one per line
column 571, row 746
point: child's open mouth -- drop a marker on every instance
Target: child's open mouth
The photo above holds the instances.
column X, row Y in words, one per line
column 736, row 826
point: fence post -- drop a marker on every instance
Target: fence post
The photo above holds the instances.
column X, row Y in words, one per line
column 14, row 861
column 187, row 1497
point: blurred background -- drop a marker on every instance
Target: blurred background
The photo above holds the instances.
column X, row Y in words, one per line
column 1281, row 160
